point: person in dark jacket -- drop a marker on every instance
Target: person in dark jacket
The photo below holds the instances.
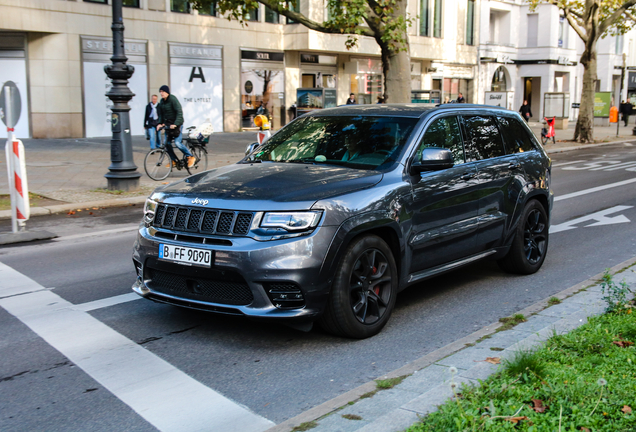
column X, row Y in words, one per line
column 171, row 114
column 460, row 98
column 625, row 109
column 352, row 99
column 151, row 120
column 525, row 111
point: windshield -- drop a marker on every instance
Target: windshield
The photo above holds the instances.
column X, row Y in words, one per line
column 362, row 142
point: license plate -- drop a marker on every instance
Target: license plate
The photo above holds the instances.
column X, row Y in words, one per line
column 186, row 255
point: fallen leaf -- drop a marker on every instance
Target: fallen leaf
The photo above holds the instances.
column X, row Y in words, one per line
column 71, row 213
column 95, row 208
column 493, row 360
column 90, row 213
column 516, row 420
column 627, row 409
column 623, row 343
column 79, row 210
column 538, row 406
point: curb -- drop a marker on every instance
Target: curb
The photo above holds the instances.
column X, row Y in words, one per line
column 584, row 146
column 61, row 208
column 345, row 399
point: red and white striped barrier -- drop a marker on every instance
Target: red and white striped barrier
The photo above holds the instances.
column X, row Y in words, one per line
column 19, row 190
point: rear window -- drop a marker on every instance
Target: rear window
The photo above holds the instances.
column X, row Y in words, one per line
column 362, row 142
column 517, row 138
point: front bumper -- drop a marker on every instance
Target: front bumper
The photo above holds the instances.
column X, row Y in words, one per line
column 246, row 278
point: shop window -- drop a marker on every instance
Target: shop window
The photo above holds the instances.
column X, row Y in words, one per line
column 293, row 5
column 437, row 19
column 97, row 1
column 262, row 92
column 329, row 81
column 308, row 81
column 271, row 16
column 181, row 6
column 499, row 83
column 454, row 86
column 208, row 11
column 425, row 19
column 131, row 3
column 470, row 23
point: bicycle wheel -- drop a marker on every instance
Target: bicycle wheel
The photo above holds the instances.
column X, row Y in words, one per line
column 544, row 139
column 201, row 156
column 157, row 164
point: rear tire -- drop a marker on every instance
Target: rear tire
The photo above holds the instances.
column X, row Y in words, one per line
column 544, row 139
column 363, row 293
column 530, row 244
column 157, row 164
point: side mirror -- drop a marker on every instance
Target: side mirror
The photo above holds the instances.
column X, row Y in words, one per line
column 432, row 159
column 250, row 148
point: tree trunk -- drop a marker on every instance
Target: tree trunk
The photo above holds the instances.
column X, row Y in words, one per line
column 584, row 131
column 396, row 67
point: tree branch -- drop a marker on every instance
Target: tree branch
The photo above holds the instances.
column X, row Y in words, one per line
column 630, row 16
column 607, row 22
column 574, row 24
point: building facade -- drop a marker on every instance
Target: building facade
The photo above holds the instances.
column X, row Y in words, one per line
column 222, row 72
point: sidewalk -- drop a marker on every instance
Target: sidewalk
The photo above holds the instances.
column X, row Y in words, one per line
column 427, row 382
column 72, row 170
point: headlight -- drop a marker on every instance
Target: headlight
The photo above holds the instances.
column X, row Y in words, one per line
column 291, row 221
column 149, row 210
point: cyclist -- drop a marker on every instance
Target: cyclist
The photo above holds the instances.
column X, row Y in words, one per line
column 171, row 115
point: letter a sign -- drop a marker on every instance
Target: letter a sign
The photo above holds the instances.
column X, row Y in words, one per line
column 194, row 74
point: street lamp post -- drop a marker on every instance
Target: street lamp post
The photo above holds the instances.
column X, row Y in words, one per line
column 122, row 173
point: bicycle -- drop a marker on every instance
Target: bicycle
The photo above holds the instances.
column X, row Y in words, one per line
column 158, row 164
column 548, row 132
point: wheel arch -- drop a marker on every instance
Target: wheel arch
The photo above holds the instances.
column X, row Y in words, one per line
column 387, row 229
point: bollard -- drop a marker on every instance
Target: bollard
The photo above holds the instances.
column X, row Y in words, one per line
column 18, row 186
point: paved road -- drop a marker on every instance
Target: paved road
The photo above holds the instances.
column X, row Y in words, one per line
column 274, row 371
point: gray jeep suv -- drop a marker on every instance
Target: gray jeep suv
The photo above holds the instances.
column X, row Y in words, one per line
column 345, row 207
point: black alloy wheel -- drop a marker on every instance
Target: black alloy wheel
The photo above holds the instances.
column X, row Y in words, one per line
column 535, row 236
column 370, row 286
column 364, row 289
column 530, row 244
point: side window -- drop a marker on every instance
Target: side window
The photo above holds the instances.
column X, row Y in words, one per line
column 484, row 136
column 444, row 132
column 516, row 136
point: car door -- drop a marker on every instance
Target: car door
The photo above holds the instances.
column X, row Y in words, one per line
column 500, row 177
column 444, row 206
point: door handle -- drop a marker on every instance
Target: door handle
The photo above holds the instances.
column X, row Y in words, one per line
column 467, row 176
column 514, row 166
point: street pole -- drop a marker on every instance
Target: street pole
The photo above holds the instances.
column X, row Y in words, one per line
column 122, row 173
column 618, row 123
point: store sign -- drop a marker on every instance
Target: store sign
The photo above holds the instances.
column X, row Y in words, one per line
column 106, row 46
column 503, row 58
column 263, row 56
column 195, row 51
column 199, row 89
column 97, row 107
column 318, row 59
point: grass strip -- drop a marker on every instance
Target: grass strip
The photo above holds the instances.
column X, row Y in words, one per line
column 581, row 381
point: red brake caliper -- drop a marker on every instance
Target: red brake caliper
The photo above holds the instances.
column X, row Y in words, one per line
column 376, row 290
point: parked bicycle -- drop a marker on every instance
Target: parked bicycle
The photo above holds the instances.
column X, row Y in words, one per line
column 158, row 164
column 548, row 132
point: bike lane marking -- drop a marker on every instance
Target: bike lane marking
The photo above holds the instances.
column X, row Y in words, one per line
column 163, row 395
column 594, row 189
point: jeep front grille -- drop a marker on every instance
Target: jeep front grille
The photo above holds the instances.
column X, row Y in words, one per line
column 222, row 222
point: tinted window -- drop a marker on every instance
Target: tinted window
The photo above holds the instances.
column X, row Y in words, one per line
column 483, row 135
column 363, row 142
column 516, row 136
column 445, row 133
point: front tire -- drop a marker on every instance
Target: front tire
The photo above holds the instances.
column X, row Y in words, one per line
column 364, row 290
column 530, row 244
column 157, row 164
column 544, row 139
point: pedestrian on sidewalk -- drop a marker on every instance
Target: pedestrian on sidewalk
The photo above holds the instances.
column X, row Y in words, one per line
column 352, row 99
column 525, row 111
column 626, row 110
column 151, row 120
column 460, row 98
column 171, row 114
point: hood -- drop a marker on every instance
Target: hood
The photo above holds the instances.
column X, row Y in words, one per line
column 267, row 186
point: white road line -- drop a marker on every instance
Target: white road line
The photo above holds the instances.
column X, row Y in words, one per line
column 160, row 393
column 566, row 163
column 123, row 229
column 594, row 189
column 105, row 302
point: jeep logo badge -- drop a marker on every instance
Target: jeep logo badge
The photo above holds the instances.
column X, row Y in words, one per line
column 199, row 201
